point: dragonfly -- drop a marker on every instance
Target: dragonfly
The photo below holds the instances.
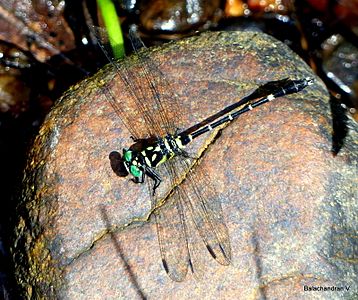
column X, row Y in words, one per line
column 160, row 145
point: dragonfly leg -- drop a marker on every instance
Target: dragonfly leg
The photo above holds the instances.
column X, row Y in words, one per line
column 137, row 179
column 155, row 176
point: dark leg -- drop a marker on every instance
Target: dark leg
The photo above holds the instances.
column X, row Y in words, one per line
column 137, row 180
column 134, row 139
column 155, row 176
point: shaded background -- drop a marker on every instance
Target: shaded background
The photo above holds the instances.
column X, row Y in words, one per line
column 46, row 46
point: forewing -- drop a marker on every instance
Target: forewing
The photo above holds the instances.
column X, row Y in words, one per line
column 163, row 109
column 155, row 110
column 153, row 93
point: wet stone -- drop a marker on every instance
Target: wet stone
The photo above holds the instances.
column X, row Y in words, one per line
column 84, row 233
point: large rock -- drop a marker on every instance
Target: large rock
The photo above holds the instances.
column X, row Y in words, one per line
column 288, row 202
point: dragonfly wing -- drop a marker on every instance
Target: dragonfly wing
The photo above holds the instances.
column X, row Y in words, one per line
column 164, row 109
column 154, row 105
column 121, row 105
column 130, row 121
column 178, row 239
column 192, row 213
column 204, row 205
column 172, row 237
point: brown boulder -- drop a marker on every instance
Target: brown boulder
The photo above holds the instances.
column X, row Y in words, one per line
column 83, row 232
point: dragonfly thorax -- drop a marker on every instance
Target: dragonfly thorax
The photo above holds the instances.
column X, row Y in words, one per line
column 141, row 162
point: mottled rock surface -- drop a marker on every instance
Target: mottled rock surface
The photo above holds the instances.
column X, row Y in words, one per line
column 287, row 201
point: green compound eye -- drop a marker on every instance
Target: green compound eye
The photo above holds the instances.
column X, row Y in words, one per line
column 135, row 171
column 128, row 155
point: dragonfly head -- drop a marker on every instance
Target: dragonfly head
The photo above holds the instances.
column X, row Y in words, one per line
column 132, row 163
column 128, row 163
